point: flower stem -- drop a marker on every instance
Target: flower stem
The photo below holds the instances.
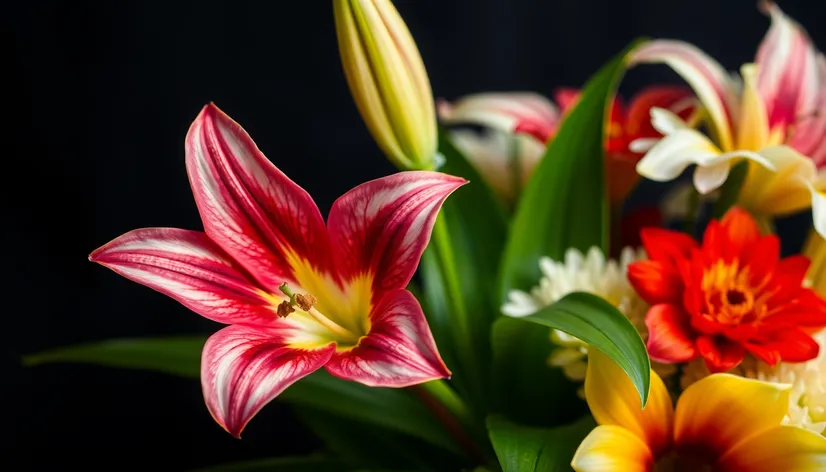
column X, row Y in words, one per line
column 454, row 415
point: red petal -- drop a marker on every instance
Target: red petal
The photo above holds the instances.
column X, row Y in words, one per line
column 668, row 247
column 249, row 207
column 243, row 369
column 741, row 229
column 720, row 354
column 399, row 350
column 788, row 346
column 807, row 309
column 762, row 258
column 670, row 337
column 638, row 121
column 382, row 227
column 787, row 279
column 655, row 283
column 566, row 98
column 190, row 268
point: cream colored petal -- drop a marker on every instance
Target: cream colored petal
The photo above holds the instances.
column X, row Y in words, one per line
column 612, row 449
column 718, row 412
column 753, row 125
column 666, row 121
column 818, row 209
column 781, row 191
column 707, row 179
column 782, row 448
column 613, row 400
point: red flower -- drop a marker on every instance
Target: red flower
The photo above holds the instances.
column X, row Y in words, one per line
column 730, row 295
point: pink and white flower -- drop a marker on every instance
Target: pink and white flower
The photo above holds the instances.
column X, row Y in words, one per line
column 297, row 294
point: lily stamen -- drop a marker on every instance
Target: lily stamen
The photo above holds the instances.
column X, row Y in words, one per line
column 305, row 302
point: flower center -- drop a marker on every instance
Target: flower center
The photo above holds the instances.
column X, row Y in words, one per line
column 730, row 298
column 676, row 462
column 306, row 302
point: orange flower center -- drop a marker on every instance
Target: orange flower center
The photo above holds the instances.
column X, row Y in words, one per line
column 676, row 462
column 730, row 296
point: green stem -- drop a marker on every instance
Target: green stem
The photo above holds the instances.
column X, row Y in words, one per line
column 440, row 390
column 691, row 212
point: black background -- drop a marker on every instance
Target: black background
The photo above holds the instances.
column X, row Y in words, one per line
column 98, row 97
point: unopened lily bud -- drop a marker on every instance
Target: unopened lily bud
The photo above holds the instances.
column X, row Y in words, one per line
column 388, row 81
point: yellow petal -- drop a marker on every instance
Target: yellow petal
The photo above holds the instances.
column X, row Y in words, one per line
column 783, row 448
column 610, row 449
column 614, row 401
column 721, row 410
column 753, row 126
column 781, row 191
column 815, row 250
column 819, row 204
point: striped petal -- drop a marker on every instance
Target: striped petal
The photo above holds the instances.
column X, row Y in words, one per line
column 244, row 368
column 264, row 220
column 612, row 448
column 781, row 448
column 190, row 268
column 809, row 132
column 510, row 112
column 718, row 412
column 613, row 400
column 381, row 227
column 710, row 81
column 398, row 351
column 788, row 77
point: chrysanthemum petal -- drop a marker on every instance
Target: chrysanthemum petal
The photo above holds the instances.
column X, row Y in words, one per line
column 722, row 410
column 190, row 268
column 250, row 208
column 611, row 448
column 782, row 448
column 381, row 227
column 720, row 354
column 614, row 401
column 398, row 351
column 243, row 369
column 670, row 336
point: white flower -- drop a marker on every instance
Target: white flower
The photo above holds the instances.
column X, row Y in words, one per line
column 577, row 273
column 807, row 405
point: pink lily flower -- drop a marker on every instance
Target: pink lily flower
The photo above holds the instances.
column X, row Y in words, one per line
column 297, row 294
column 774, row 118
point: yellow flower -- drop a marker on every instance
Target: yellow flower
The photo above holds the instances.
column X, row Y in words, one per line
column 388, row 81
column 722, row 423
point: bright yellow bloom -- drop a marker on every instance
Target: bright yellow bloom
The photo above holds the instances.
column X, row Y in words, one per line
column 721, row 423
column 388, row 80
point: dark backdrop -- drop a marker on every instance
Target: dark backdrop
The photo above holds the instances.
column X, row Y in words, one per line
column 98, row 98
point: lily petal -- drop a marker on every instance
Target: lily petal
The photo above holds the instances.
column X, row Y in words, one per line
column 613, row 400
column 676, row 99
column 753, row 124
column 399, row 350
column 788, row 70
column 610, row 448
column 721, row 410
column 809, row 132
column 780, row 448
column 382, row 227
column 784, row 190
column 244, row 368
column 710, row 81
column 190, row 268
column 818, row 207
column 254, row 212
column 510, row 112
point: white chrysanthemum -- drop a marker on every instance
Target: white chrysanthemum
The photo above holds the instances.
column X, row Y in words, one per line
column 577, row 273
column 807, row 405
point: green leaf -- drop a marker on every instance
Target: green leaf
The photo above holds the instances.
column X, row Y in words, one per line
column 177, row 356
column 730, row 189
column 527, row 389
column 602, row 326
column 459, row 273
column 524, row 449
column 284, row 464
column 393, row 409
column 564, row 204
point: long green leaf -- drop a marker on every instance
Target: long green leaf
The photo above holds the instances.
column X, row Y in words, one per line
column 176, row 356
column 564, row 204
column 524, row 449
column 459, row 270
column 528, row 390
column 602, row 326
column 284, row 464
column 393, row 409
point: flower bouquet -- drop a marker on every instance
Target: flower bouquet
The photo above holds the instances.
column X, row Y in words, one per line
column 499, row 303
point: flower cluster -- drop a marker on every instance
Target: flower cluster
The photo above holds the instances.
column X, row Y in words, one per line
column 700, row 348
